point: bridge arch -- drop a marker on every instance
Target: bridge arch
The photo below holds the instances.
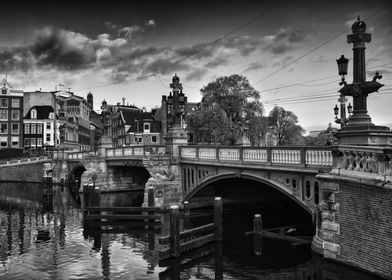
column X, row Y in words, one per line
column 253, row 177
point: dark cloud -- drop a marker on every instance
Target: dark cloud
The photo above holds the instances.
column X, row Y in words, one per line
column 218, row 61
column 196, row 74
column 254, row 66
column 15, row 59
column 244, row 44
column 63, row 49
column 197, row 51
column 285, row 40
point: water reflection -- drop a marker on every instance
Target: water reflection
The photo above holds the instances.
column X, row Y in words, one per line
column 45, row 238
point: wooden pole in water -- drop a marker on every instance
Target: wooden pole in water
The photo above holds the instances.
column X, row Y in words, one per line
column 218, row 219
column 257, row 223
column 174, row 231
column 186, row 208
column 151, row 199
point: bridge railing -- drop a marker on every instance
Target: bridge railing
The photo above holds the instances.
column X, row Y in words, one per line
column 364, row 161
column 301, row 156
column 136, row 150
column 23, row 160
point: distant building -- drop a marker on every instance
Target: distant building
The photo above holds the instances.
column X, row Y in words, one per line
column 72, row 129
column 40, row 129
column 127, row 124
column 11, row 117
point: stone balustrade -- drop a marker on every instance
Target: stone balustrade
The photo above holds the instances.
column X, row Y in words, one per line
column 363, row 160
column 23, row 160
column 138, row 151
column 301, row 156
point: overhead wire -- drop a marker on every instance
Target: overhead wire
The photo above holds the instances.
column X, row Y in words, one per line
column 219, row 38
column 319, row 46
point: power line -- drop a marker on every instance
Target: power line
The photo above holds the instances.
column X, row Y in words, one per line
column 318, row 47
column 219, row 39
column 322, row 78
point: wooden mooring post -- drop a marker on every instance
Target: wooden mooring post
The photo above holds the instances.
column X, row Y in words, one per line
column 257, row 240
column 218, row 219
column 190, row 239
column 174, row 231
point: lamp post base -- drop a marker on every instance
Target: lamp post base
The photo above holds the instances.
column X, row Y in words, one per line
column 365, row 135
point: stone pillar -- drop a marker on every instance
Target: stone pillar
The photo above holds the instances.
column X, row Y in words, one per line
column 175, row 138
column 165, row 181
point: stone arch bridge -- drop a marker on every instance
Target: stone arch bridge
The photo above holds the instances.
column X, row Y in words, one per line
column 290, row 170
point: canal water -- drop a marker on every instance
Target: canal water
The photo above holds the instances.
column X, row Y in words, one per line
column 43, row 237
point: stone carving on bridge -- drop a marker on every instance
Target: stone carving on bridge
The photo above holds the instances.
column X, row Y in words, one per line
column 359, row 161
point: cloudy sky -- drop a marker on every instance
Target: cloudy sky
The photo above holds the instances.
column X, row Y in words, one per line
column 286, row 49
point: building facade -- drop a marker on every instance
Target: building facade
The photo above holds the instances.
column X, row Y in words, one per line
column 11, row 117
column 40, row 129
column 128, row 125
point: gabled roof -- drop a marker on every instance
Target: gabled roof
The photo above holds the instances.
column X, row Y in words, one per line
column 42, row 112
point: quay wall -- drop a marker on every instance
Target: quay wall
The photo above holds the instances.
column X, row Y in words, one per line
column 364, row 217
column 29, row 173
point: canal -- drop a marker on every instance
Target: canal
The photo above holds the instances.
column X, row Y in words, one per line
column 44, row 237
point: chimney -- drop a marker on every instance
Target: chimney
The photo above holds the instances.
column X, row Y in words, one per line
column 123, row 99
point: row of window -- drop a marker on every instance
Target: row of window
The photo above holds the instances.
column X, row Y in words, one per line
column 36, row 142
column 15, row 103
column 4, row 142
column 4, row 128
column 15, row 115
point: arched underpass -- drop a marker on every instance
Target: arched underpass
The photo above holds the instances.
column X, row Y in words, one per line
column 74, row 179
column 244, row 197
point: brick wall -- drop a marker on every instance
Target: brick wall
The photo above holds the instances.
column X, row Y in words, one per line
column 32, row 172
column 365, row 218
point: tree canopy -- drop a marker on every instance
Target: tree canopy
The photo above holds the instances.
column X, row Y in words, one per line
column 284, row 126
column 230, row 104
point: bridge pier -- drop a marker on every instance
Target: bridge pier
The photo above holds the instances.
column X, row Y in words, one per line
column 355, row 226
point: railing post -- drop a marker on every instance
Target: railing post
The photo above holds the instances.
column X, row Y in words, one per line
column 174, row 231
column 217, row 153
column 218, row 219
column 269, row 155
column 303, row 157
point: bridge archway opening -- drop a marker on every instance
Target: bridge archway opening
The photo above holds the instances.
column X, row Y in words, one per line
column 74, row 179
column 243, row 197
column 251, row 196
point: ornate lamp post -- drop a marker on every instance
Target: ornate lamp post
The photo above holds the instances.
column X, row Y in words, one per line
column 358, row 129
column 174, row 105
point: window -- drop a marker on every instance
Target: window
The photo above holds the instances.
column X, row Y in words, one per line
column 3, row 91
column 316, row 193
column 39, row 142
column 48, row 125
column 15, row 128
column 3, row 141
column 39, row 128
column 4, row 128
column 3, row 114
column 146, row 127
column 294, row 184
column 3, row 103
column 33, row 142
column 307, row 190
column 33, row 113
column 138, row 139
column 154, row 139
column 15, row 115
column 27, row 142
column 26, row 128
column 47, row 136
column 33, row 128
column 15, row 103
column 15, row 141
